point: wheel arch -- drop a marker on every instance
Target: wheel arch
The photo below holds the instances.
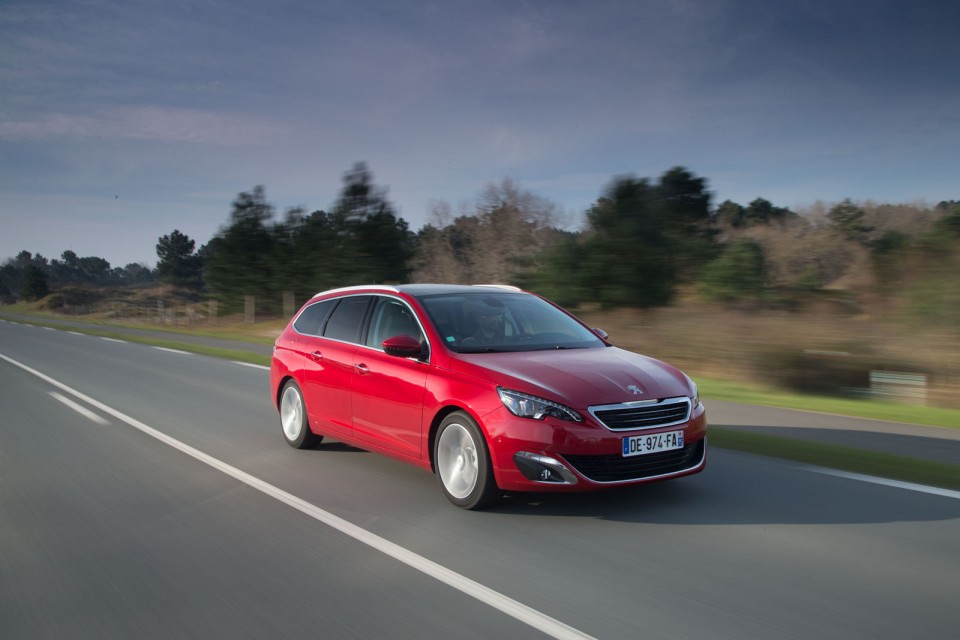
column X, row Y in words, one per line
column 278, row 391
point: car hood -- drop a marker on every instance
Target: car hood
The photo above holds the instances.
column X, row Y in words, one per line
column 578, row 377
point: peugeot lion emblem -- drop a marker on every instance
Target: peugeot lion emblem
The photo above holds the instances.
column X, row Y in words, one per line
column 634, row 389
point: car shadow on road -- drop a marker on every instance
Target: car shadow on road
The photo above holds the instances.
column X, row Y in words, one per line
column 332, row 446
column 739, row 488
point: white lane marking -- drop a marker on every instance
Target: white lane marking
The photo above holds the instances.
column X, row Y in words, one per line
column 909, row 486
column 86, row 413
column 250, row 364
column 76, row 333
column 527, row 615
column 185, row 353
column 113, row 340
column 49, row 329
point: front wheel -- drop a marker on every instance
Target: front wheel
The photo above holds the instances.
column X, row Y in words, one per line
column 293, row 418
column 463, row 464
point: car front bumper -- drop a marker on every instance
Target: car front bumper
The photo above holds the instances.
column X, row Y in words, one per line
column 553, row 455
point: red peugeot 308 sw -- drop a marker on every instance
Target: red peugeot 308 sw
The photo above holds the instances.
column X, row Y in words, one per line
column 492, row 388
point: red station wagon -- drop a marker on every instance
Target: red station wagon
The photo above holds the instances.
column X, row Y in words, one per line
column 492, row 388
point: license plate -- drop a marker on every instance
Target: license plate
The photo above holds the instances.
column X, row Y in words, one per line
column 652, row 443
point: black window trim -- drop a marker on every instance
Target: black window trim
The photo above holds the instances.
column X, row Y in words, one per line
column 365, row 323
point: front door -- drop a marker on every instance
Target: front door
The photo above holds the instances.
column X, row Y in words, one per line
column 388, row 390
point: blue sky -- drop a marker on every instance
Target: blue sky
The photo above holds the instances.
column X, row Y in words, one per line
column 121, row 121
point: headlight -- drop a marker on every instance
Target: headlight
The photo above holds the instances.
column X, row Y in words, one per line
column 695, row 398
column 526, row 406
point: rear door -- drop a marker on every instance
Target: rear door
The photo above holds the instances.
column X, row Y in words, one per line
column 328, row 369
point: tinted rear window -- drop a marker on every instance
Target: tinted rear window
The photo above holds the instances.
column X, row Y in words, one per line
column 344, row 323
column 311, row 319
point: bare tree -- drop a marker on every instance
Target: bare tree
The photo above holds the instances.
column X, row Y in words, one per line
column 495, row 240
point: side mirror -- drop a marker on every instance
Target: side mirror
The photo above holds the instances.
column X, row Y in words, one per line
column 600, row 332
column 402, row 346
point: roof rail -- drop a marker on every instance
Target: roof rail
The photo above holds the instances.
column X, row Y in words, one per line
column 379, row 287
column 506, row 287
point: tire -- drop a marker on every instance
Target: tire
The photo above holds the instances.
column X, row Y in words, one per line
column 293, row 418
column 462, row 463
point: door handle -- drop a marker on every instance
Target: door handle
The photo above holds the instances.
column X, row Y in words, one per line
column 316, row 355
column 362, row 369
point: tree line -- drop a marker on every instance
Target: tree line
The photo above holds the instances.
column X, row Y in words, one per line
column 643, row 241
column 30, row 276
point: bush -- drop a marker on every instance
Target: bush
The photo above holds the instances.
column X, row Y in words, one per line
column 72, row 300
column 737, row 274
column 836, row 373
column 843, row 371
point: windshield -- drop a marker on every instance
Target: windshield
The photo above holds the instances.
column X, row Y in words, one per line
column 487, row 322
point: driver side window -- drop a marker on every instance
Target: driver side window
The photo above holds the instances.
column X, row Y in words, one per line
column 391, row 318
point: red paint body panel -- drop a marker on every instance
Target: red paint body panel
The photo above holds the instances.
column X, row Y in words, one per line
column 387, row 402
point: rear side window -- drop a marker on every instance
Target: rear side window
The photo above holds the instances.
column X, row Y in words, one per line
column 311, row 319
column 344, row 323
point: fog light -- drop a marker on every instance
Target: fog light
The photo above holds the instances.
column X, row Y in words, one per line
column 543, row 468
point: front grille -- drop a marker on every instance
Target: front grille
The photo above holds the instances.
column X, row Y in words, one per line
column 627, row 416
column 616, row 468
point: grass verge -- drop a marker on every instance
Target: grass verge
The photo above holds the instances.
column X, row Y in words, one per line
column 216, row 352
column 711, row 389
column 869, row 463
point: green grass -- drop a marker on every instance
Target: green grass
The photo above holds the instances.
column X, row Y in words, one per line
column 223, row 333
column 215, row 352
column 749, row 394
column 836, row 457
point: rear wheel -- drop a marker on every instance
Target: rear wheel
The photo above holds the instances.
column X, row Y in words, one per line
column 463, row 463
column 293, row 418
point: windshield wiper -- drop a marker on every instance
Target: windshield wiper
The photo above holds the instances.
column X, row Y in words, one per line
column 555, row 347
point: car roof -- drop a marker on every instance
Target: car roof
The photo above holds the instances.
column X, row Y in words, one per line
column 418, row 290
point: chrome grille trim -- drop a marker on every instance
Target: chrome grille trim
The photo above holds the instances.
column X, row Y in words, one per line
column 642, row 415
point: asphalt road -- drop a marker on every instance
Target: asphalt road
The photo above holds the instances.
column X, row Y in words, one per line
column 218, row 529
